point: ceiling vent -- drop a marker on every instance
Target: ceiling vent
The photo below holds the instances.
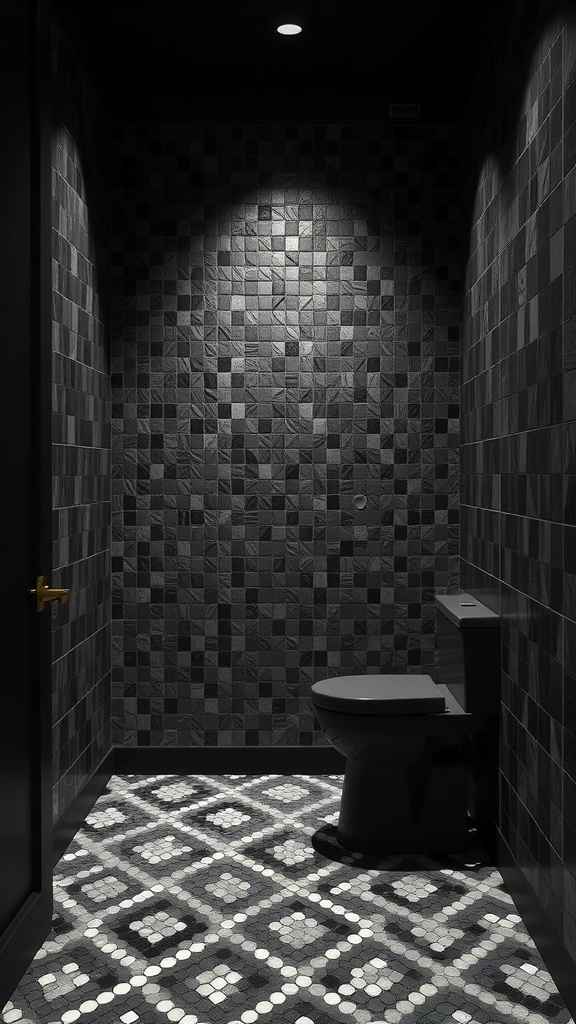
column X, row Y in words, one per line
column 404, row 110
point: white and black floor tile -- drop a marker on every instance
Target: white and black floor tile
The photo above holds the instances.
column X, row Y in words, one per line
column 227, row 900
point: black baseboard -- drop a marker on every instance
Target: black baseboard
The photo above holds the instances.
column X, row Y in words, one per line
column 559, row 964
column 73, row 818
column 224, row 760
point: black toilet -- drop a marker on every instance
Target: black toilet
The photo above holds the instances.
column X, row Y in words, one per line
column 408, row 740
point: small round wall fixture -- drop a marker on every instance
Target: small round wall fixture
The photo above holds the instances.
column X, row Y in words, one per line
column 289, row 30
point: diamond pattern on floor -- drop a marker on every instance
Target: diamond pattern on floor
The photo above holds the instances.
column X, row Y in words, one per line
column 227, row 900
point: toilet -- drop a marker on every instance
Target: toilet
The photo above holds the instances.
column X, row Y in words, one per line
column 407, row 740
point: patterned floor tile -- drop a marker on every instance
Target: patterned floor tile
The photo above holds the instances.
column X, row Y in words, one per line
column 172, row 795
column 228, row 900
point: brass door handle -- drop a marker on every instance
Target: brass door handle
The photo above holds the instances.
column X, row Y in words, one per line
column 45, row 593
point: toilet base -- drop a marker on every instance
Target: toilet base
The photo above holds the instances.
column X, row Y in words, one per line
column 419, row 806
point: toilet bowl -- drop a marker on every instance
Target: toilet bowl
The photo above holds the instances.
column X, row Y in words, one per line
column 407, row 739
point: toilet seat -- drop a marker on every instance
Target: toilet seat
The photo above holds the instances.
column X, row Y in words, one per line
column 379, row 695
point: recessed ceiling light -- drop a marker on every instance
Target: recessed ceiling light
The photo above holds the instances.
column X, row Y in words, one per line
column 289, row 30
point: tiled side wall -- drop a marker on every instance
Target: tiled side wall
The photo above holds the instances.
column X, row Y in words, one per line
column 518, row 397
column 81, row 431
column 285, row 337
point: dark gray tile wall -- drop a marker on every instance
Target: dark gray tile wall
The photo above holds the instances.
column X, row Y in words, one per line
column 81, row 429
column 518, row 405
column 285, row 336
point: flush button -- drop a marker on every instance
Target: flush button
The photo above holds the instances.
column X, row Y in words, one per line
column 467, row 604
column 359, row 501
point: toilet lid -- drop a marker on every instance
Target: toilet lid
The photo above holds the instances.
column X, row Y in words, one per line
column 379, row 695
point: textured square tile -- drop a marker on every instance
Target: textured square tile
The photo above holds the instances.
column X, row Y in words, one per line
column 81, row 464
column 285, row 337
column 517, row 418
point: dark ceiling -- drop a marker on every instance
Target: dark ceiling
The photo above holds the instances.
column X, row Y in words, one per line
column 220, row 56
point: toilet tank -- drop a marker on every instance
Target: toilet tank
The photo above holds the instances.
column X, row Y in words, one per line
column 468, row 636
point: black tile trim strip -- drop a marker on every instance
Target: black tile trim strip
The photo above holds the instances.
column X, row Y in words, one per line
column 222, row 760
column 548, row 943
column 73, row 818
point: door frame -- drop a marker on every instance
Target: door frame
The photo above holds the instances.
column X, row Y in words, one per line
column 27, row 931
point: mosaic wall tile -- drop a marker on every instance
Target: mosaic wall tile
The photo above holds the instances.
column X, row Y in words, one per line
column 517, row 414
column 80, row 430
column 285, row 336
column 272, row 921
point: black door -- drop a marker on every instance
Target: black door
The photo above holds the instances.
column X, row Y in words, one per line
column 25, row 384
